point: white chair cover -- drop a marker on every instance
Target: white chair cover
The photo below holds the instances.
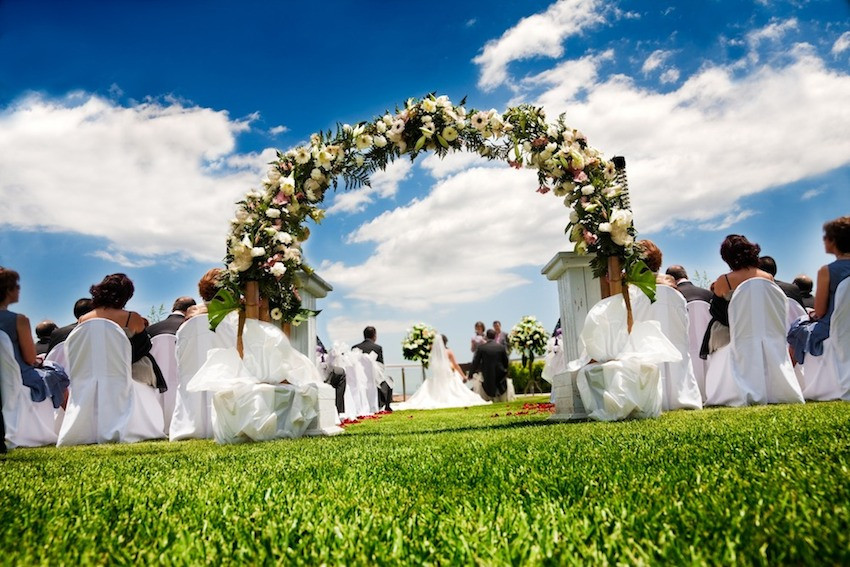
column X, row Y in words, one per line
column 28, row 423
column 374, row 373
column 356, row 396
column 827, row 377
column 59, row 355
column 698, row 319
column 678, row 383
column 192, row 418
column 250, row 402
column 164, row 351
column 554, row 361
column 796, row 311
column 755, row 367
column 624, row 381
column 105, row 404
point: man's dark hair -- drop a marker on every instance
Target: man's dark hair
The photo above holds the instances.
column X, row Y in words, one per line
column 43, row 329
column 491, row 334
column 369, row 333
column 768, row 264
column 182, row 304
column 804, row 283
column 677, row 272
column 82, row 306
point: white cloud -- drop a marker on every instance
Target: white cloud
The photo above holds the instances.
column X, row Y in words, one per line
column 728, row 220
column 479, row 226
column 724, row 134
column 671, row 75
column 384, row 184
column 152, row 179
column 774, row 31
column 538, row 35
column 841, row 44
column 122, row 259
column 811, row 194
column 453, row 163
column 655, row 60
column 280, row 129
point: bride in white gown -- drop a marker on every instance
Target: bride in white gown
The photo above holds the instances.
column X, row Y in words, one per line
column 445, row 388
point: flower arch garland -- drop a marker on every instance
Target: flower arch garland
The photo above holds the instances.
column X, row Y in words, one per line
column 266, row 233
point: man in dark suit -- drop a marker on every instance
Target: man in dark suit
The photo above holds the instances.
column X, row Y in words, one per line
column 170, row 324
column 791, row 291
column 385, row 391
column 686, row 287
column 491, row 359
column 81, row 307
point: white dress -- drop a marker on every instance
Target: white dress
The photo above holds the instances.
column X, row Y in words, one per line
column 444, row 388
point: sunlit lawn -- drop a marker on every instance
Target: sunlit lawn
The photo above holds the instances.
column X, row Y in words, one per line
column 756, row 485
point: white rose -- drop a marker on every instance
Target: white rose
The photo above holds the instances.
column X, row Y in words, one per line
column 388, row 119
column 317, row 174
column 605, row 227
column 258, row 251
column 363, row 141
column 241, row 215
column 573, row 216
column 380, row 141
column 587, row 190
column 302, row 156
column 273, row 213
column 380, row 126
column 292, row 255
column 621, row 218
column 311, row 185
column 283, row 237
column 274, row 175
column 277, row 269
column 450, row 133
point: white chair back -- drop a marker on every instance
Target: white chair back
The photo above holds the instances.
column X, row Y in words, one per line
column 698, row 319
column 28, row 423
column 355, row 397
column 163, row 350
column 827, row 377
column 374, row 373
column 58, row 355
column 192, row 417
column 679, row 385
column 105, row 404
column 755, row 368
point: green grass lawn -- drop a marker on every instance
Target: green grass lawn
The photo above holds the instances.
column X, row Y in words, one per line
column 755, row 485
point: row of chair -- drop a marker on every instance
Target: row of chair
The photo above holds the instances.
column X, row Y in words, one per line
column 363, row 375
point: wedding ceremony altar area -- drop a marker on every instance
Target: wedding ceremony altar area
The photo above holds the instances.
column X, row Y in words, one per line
column 493, row 485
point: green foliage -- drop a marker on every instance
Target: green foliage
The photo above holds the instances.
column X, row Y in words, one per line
column 519, row 373
column 221, row 305
column 640, row 276
column 155, row 315
column 763, row 485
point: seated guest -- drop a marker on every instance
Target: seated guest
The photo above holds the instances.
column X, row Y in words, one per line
column 808, row 336
column 652, row 258
column 805, row 285
column 208, row 286
column 742, row 257
column 43, row 380
column 686, row 287
column 43, row 331
column 791, row 291
column 170, row 324
column 108, row 300
column 81, row 307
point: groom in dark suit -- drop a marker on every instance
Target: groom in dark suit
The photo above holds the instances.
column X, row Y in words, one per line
column 385, row 391
column 491, row 359
column 686, row 287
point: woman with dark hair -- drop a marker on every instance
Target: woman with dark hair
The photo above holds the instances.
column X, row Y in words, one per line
column 807, row 336
column 108, row 300
column 43, row 380
column 742, row 257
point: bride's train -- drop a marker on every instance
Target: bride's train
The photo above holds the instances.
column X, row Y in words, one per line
column 444, row 388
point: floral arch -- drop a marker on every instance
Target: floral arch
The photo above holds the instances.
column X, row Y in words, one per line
column 264, row 245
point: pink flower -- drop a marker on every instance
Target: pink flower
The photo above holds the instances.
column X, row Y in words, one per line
column 543, row 189
column 580, row 177
column 280, row 198
column 589, row 238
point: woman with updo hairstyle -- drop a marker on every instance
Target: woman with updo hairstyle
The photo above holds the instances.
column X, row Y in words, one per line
column 208, row 287
column 109, row 298
column 742, row 257
column 807, row 334
column 653, row 258
column 43, row 379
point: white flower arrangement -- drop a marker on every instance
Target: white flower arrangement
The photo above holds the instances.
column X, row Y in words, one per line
column 529, row 337
column 417, row 344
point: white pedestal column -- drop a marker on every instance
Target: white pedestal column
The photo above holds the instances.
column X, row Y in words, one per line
column 311, row 287
column 578, row 291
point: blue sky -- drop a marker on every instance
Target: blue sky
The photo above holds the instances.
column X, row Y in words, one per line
column 129, row 129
